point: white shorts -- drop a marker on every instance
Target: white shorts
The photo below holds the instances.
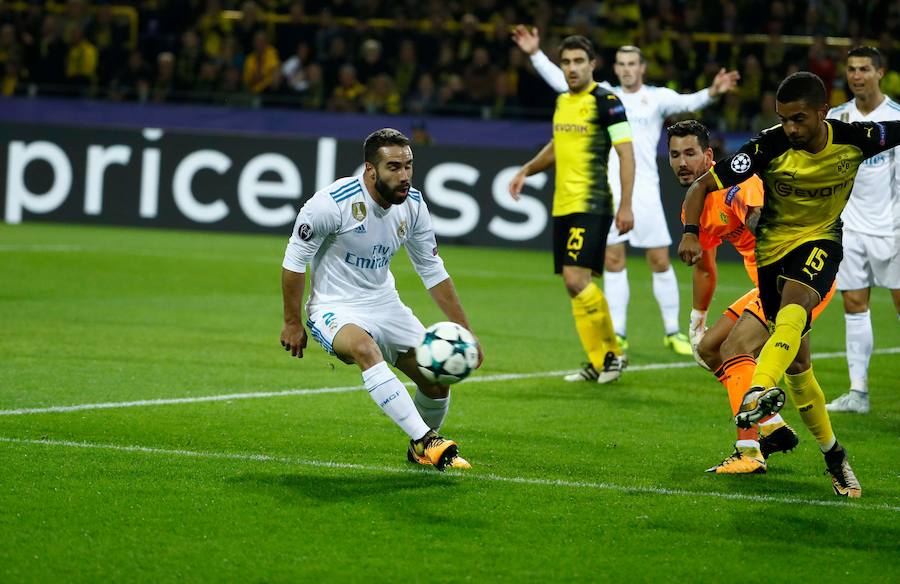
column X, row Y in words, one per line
column 394, row 327
column 650, row 227
column 869, row 260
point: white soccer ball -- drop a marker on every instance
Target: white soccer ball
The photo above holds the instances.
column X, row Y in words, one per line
column 447, row 353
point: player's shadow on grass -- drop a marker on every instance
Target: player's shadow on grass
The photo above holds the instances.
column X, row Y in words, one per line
column 336, row 488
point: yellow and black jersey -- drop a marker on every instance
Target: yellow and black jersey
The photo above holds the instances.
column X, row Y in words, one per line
column 585, row 126
column 804, row 192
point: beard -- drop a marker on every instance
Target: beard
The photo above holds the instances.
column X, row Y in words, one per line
column 389, row 194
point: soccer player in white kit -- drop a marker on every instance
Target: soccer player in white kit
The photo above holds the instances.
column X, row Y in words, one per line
column 349, row 232
column 871, row 225
column 647, row 107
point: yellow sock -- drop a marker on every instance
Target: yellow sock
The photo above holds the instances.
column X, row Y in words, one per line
column 810, row 401
column 594, row 324
column 781, row 348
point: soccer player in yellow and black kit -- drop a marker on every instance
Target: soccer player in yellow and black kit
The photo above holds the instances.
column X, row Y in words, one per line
column 587, row 123
column 808, row 166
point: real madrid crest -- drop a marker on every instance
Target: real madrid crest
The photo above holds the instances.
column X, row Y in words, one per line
column 358, row 210
column 401, row 229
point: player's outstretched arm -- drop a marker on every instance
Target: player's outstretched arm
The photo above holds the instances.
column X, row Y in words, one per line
column 541, row 162
column 689, row 249
column 529, row 40
column 293, row 335
column 445, row 296
column 625, row 213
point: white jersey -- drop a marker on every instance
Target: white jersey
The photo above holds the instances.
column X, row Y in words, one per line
column 350, row 240
column 874, row 205
column 647, row 108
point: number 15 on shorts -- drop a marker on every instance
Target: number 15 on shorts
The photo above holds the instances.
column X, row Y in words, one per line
column 815, row 262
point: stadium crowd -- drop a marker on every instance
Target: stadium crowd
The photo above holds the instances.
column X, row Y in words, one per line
column 437, row 57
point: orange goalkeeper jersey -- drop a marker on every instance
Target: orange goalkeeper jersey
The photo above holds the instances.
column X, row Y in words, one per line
column 724, row 218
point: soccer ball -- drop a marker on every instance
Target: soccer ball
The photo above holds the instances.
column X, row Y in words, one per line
column 447, row 353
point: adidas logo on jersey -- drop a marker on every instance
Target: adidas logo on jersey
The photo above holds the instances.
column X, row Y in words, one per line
column 360, row 229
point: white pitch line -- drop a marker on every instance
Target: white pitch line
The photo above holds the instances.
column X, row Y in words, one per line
column 350, row 388
column 463, row 475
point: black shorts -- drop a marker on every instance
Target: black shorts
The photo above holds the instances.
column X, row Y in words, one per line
column 579, row 239
column 814, row 263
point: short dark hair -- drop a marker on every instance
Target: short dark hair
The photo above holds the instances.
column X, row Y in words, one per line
column 379, row 139
column 689, row 128
column 632, row 49
column 869, row 53
column 802, row 86
column 576, row 41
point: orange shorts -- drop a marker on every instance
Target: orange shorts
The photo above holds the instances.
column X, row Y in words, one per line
column 751, row 303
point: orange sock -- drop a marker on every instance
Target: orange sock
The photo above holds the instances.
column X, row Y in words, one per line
column 735, row 374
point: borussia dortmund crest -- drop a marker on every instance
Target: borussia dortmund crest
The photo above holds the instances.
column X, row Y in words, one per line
column 843, row 165
column 358, row 210
column 401, row 229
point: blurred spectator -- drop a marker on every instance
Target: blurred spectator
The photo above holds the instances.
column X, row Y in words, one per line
column 424, row 100
column 371, row 63
column 296, row 30
column 293, row 70
column 10, row 48
column 314, row 96
column 348, row 95
column 731, row 117
column 480, row 78
column 381, row 97
column 262, row 72
column 751, row 86
column 47, row 62
column 212, row 28
column 81, row 59
column 188, row 62
column 109, row 36
column 821, row 63
column 249, row 24
column 13, row 79
column 406, row 70
column 164, row 83
column 132, row 82
column 767, row 116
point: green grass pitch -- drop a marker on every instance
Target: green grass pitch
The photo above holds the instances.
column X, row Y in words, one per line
column 571, row 482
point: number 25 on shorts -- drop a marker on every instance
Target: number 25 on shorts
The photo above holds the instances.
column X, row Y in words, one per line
column 575, row 242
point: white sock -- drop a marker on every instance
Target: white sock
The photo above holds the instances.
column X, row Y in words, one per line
column 665, row 288
column 747, row 444
column 615, row 287
column 859, row 349
column 433, row 411
column 391, row 396
column 826, row 447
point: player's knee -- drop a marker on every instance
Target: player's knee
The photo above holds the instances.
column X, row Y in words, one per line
column 434, row 390
column 854, row 303
column 614, row 263
column 659, row 262
column 711, row 354
column 365, row 353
